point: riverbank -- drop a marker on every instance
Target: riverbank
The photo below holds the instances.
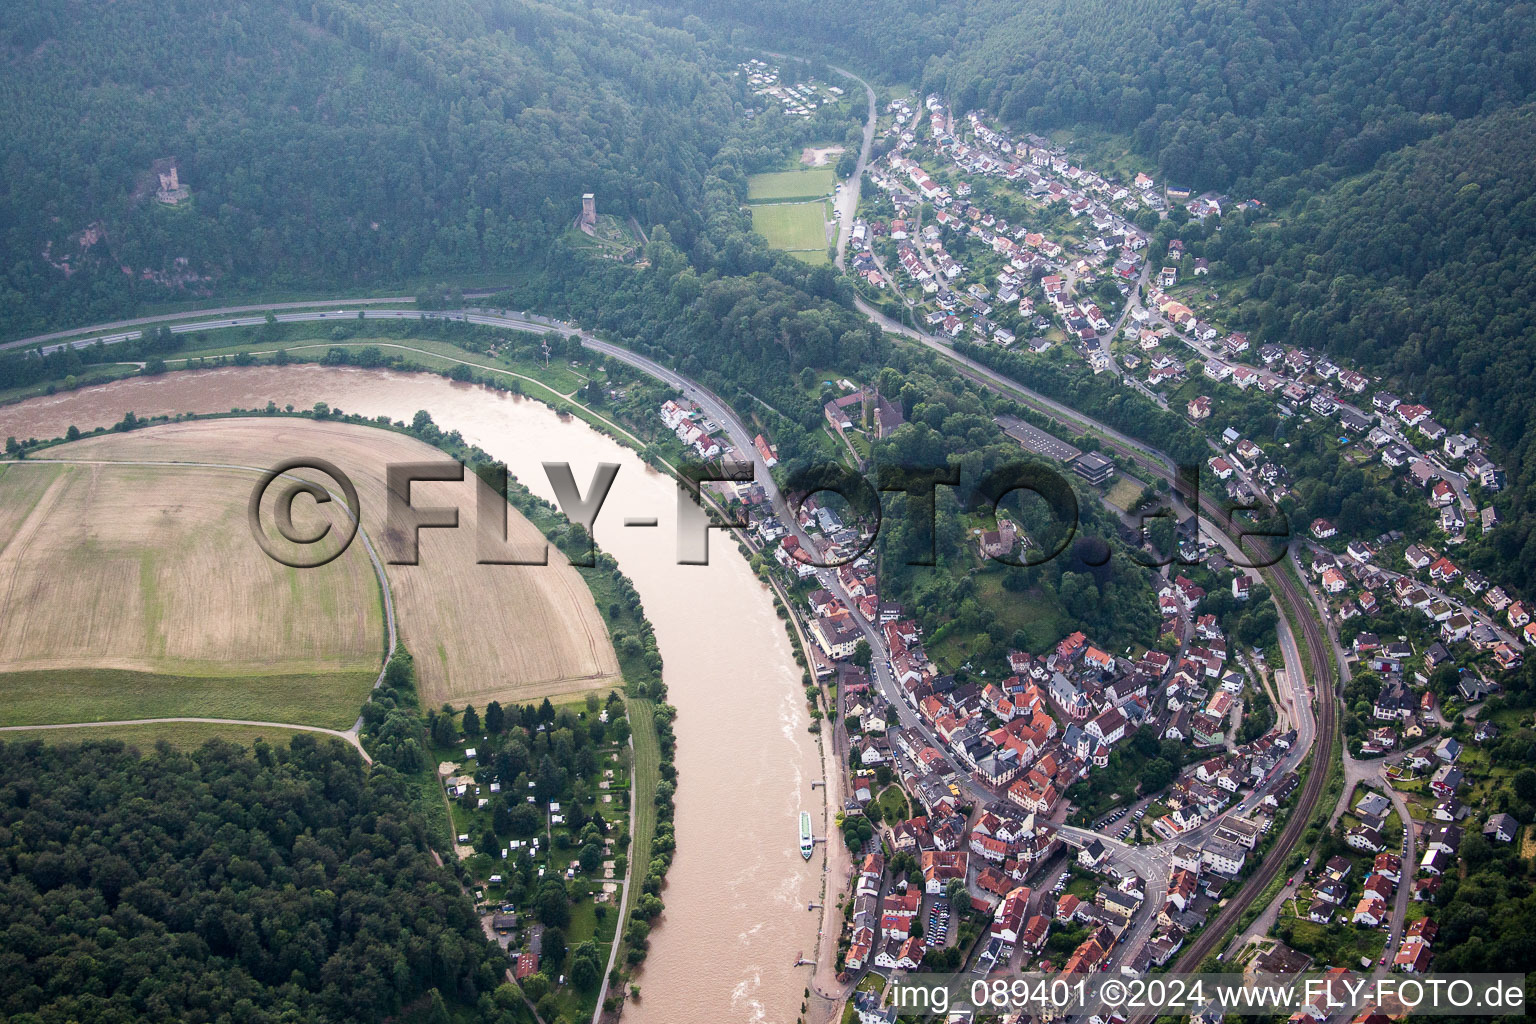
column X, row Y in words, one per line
column 737, row 890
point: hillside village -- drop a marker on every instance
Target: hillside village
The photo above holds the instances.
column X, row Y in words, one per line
column 1009, row 823
column 1078, row 230
column 959, row 804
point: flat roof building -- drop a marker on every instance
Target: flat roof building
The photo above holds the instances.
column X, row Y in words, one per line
column 1094, row 468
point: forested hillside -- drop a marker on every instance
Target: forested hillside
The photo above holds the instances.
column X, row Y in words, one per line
column 275, row 884
column 1424, row 270
column 327, row 144
column 1248, row 95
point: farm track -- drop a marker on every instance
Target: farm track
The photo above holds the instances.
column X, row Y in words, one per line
column 350, row 736
column 1159, row 465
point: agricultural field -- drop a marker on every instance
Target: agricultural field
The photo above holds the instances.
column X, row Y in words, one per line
column 792, row 226
column 136, row 591
column 330, row 700
column 479, row 632
column 806, row 183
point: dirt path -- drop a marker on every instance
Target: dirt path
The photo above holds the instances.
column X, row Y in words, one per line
column 624, row 883
column 350, row 735
column 392, row 640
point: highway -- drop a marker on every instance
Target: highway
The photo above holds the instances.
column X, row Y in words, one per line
column 124, row 325
column 1147, row 458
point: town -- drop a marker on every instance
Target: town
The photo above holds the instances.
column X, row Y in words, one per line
column 993, row 821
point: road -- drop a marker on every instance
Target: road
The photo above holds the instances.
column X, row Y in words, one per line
column 848, row 203
column 624, row 883
column 1280, row 585
column 1467, row 608
column 1385, row 420
column 1358, row 772
column 990, row 378
column 1214, row 934
column 1406, row 872
column 119, row 325
column 1133, row 302
column 1149, row 459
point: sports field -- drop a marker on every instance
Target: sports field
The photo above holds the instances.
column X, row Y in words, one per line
column 806, row 183
column 479, row 633
column 792, row 226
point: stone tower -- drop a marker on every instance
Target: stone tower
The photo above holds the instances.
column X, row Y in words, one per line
column 588, row 210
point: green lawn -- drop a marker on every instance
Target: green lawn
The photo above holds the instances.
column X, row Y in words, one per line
column 1339, row 943
column 792, row 226
column 893, row 804
column 1083, row 886
column 647, row 768
column 806, row 183
column 1036, row 612
column 1123, row 492
column 54, row 696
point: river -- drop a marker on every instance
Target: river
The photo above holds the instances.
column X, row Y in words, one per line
column 736, row 896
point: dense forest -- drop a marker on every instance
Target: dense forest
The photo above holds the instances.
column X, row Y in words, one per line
column 327, row 144
column 286, row 882
column 1422, row 270
column 336, row 144
column 1260, row 96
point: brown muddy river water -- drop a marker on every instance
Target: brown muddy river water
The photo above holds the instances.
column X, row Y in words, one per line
column 736, row 917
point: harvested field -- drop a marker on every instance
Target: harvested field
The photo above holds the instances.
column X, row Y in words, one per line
column 152, row 569
column 19, row 494
column 479, row 632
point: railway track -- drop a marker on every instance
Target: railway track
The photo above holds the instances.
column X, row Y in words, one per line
column 1159, row 465
column 1270, row 868
column 1280, row 583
